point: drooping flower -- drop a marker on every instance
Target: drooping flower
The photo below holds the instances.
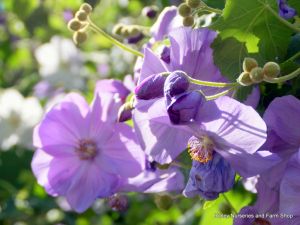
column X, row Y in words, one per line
column 224, row 128
column 81, row 153
column 285, row 10
column 18, row 116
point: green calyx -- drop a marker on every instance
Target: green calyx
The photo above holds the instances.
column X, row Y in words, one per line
column 184, row 10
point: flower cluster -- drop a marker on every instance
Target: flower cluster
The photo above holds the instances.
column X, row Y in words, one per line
column 181, row 106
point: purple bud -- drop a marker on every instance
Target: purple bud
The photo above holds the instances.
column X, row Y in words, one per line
column 165, row 55
column 151, row 87
column 184, row 107
column 286, row 11
column 176, row 83
column 135, row 39
column 118, row 202
column 150, row 11
column 125, row 113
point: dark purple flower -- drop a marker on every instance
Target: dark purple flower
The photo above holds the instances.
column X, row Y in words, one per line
column 81, row 154
column 165, row 55
column 175, row 84
column 209, row 179
column 285, row 10
column 151, row 87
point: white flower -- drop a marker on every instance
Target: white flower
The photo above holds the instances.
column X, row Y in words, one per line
column 61, row 63
column 18, row 115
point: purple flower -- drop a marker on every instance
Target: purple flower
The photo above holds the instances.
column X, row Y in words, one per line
column 167, row 21
column 135, row 39
column 236, row 130
column 282, row 117
column 154, row 180
column 285, row 10
column 81, row 154
column 222, row 128
column 209, row 179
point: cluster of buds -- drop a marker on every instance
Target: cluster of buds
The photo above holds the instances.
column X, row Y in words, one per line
column 254, row 74
column 79, row 23
column 133, row 33
column 186, row 11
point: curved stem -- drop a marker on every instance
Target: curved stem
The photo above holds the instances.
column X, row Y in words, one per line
column 210, row 9
column 212, row 84
column 229, row 203
column 297, row 55
column 212, row 97
column 288, row 24
column 114, row 41
column 283, row 78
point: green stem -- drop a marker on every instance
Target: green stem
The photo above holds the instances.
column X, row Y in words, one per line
column 288, row 24
column 212, row 84
column 294, row 57
column 212, row 97
column 229, row 203
column 114, row 41
column 210, row 9
column 284, row 78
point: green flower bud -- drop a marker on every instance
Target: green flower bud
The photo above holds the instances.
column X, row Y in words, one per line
column 225, row 208
column 188, row 21
column 271, row 70
column 133, row 31
column 79, row 37
column 74, row 25
column 244, row 79
column 163, row 202
column 257, row 75
column 193, row 3
column 249, row 64
column 81, row 15
column 184, row 10
column 118, row 29
column 125, row 31
column 86, row 7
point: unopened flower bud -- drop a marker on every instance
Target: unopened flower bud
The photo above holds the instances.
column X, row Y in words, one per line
column 271, row 70
column 188, row 21
column 118, row 202
column 118, row 29
column 125, row 113
column 244, row 79
column 74, row 25
column 249, row 64
column 163, row 202
column 125, row 31
column 193, row 3
column 184, row 10
column 86, row 7
column 151, row 87
column 257, row 75
column 150, row 11
column 79, row 37
column 81, row 15
column 133, row 31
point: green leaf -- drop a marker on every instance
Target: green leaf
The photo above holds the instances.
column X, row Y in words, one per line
column 209, row 204
column 215, row 3
column 249, row 28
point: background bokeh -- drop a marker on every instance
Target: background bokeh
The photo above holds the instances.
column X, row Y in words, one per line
column 38, row 64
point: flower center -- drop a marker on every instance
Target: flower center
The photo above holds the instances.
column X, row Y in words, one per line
column 201, row 149
column 260, row 221
column 87, row 149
